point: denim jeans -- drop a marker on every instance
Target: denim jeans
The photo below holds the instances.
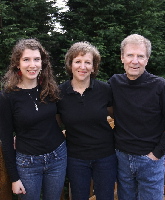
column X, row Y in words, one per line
column 46, row 172
column 139, row 177
column 102, row 171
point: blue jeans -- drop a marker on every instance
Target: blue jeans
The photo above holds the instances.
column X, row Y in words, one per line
column 46, row 172
column 102, row 171
column 139, row 177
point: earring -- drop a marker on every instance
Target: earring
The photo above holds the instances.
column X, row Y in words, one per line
column 40, row 79
column 19, row 72
column 40, row 73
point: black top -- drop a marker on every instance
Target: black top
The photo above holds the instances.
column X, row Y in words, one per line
column 37, row 131
column 139, row 111
column 89, row 135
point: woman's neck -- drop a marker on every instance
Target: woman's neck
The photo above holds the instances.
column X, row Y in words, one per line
column 80, row 86
column 27, row 85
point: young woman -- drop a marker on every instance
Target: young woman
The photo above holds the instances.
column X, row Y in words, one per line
column 83, row 111
column 28, row 109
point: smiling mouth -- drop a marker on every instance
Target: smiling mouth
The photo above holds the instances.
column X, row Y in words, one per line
column 81, row 72
column 31, row 71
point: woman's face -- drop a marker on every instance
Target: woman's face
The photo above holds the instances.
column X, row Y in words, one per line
column 82, row 67
column 30, row 64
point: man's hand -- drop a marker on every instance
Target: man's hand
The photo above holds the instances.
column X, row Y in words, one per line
column 152, row 157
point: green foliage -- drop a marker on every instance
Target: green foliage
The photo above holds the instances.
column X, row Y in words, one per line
column 103, row 23
column 106, row 23
column 24, row 19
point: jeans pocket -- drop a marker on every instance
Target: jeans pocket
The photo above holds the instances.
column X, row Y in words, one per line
column 23, row 161
column 146, row 156
column 61, row 151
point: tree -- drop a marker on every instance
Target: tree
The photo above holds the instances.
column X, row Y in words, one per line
column 103, row 23
column 25, row 19
column 106, row 23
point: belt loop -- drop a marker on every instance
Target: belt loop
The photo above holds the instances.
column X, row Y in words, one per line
column 31, row 159
column 45, row 157
column 55, row 154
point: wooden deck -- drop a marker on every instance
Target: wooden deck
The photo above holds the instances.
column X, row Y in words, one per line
column 115, row 194
column 115, row 198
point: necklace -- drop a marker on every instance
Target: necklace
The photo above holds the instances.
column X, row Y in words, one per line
column 33, row 100
column 36, row 107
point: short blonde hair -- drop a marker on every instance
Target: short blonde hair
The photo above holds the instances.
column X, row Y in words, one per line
column 136, row 39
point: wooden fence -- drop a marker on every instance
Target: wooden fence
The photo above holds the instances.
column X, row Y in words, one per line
column 5, row 184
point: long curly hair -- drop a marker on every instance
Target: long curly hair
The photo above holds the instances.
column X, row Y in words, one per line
column 46, row 78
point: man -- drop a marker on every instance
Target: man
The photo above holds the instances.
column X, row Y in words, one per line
column 139, row 112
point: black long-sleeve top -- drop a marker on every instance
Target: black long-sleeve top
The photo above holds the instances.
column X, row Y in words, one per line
column 89, row 135
column 37, row 132
column 139, row 113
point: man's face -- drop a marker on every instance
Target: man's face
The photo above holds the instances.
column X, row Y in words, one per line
column 135, row 60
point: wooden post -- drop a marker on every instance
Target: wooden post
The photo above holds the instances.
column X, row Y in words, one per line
column 5, row 184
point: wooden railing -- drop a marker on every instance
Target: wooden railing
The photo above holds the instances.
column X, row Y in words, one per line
column 5, row 184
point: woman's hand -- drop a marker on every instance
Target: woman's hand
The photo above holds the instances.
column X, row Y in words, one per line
column 18, row 187
column 14, row 142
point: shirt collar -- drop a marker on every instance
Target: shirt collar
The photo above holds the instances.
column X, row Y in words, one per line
column 70, row 88
column 140, row 79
